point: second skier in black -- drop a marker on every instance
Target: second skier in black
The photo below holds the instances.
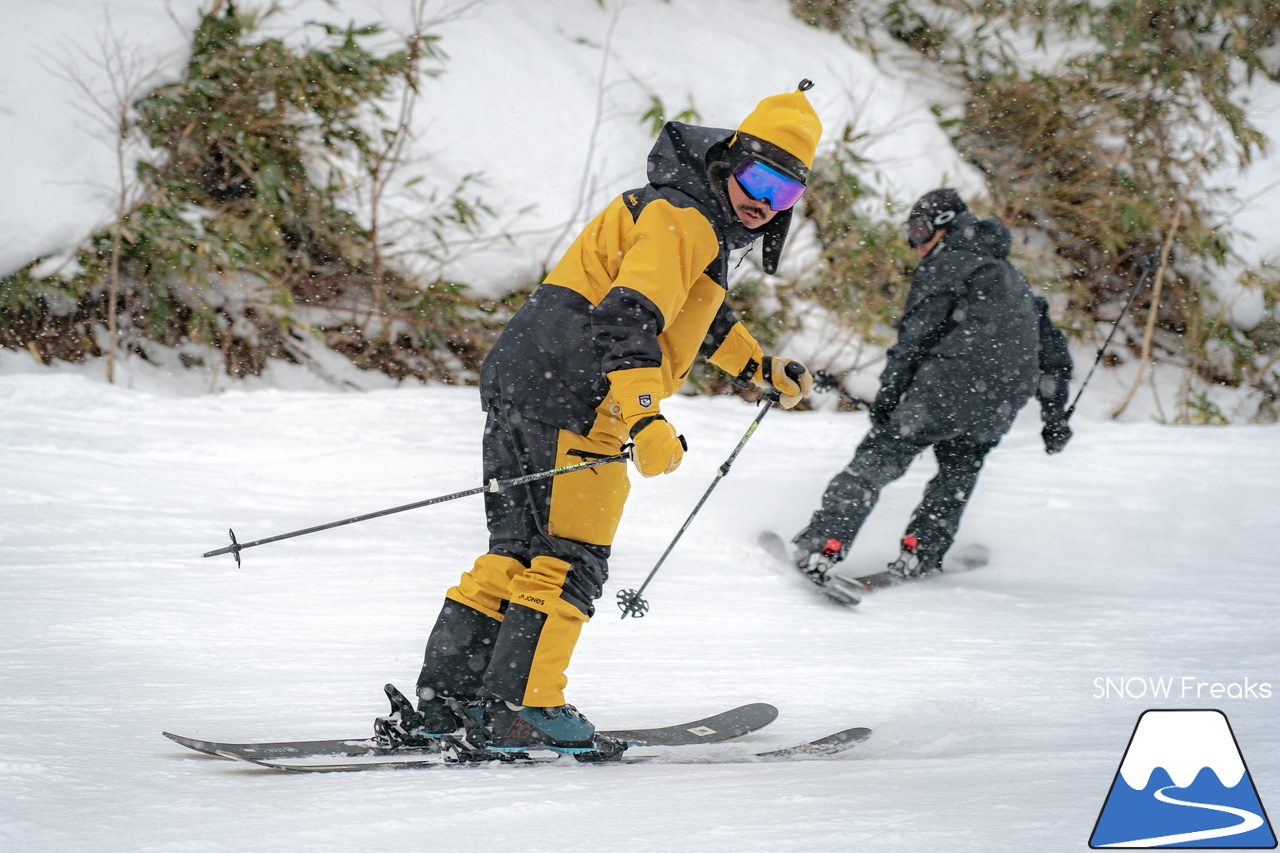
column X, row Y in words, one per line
column 974, row 345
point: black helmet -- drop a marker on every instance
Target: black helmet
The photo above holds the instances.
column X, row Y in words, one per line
column 935, row 209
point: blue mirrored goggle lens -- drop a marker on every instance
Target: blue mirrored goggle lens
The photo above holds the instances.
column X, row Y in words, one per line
column 764, row 183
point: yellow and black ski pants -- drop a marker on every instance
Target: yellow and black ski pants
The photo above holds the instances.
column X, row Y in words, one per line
column 510, row 625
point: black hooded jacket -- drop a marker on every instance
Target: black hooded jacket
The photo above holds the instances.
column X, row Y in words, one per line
column 974, row 344
column 643, row 286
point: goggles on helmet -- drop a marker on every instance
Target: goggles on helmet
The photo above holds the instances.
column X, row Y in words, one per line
column 765, row 183
column 918, row 231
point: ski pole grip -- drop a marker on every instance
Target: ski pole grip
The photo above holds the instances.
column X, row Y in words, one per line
column 793, row 371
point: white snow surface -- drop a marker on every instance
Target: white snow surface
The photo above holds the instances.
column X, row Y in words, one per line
column 1141, row 552
column 1002, row 698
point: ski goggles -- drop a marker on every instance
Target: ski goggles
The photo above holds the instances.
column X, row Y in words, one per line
column 765, row 183
column 918, row 231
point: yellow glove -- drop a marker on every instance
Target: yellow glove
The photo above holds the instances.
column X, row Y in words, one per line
column 656, row 447
column 790, row 379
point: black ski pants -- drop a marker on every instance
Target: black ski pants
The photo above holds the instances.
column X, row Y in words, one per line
column 883, row 456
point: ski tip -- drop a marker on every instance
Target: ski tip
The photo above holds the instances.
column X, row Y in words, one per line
column 772, row 544
column 764, row 709
column 832, row 744
column 844, row 737
column 757, row 710
column 189, row 742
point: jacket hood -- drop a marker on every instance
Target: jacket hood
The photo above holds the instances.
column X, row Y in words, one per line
column 987, row 237
column 697, row 162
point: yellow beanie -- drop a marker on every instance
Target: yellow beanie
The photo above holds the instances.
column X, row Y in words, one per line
column 789, row 122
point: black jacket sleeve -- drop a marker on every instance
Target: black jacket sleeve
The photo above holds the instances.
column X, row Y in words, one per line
column 626, row 325
column 1055, row 368
column 930, row 308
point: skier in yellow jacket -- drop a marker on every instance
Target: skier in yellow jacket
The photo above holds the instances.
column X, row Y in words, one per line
column 580, row 371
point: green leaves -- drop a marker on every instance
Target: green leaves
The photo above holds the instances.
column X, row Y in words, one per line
column 240, row 220
column 1094, row 150
column 656, row 116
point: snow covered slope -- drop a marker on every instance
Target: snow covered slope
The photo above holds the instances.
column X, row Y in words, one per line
column 1137, row 570
column 1002, row 699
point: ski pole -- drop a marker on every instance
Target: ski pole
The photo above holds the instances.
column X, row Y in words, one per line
column 825, row 381
column 1149, row 262
column 629, row 599
column 493, row 486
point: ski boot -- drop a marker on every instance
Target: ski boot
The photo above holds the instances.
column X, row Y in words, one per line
column 816, row 565
column 513, row 729
column 911, row 565
column 419, row 729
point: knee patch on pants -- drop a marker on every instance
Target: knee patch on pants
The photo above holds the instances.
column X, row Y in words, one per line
column 485, row 587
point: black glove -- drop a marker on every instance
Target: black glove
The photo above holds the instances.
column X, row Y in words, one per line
column 882, row 409
column 1056, row 434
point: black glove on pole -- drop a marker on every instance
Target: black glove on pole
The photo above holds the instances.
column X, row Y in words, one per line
column 1055, row 436
column 492, row 486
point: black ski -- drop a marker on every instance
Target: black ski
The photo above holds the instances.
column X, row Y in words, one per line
column 832, row 744
column 718, row 727
column 834, row 588
column 848, row 589
column 961, row 560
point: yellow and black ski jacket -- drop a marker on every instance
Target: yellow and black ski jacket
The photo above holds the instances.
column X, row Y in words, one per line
column 643, row 286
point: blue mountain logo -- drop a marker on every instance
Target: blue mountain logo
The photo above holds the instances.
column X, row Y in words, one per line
column 1183, row 783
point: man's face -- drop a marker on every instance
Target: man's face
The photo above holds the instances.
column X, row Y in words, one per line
column 925, row 248
column 751, row 212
